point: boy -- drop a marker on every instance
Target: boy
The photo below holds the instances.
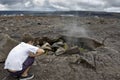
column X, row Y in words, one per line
column 21, row 58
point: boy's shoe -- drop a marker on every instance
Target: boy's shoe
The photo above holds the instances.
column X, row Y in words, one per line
column 29, row 76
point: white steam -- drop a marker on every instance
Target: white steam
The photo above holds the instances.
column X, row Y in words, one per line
column 74, row 30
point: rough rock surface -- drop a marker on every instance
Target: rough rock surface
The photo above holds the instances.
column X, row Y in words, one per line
column 6, row 44
column 101, row 64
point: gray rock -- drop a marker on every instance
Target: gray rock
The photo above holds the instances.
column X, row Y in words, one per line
column 60, row 51
column 6, row 28
column 6, row 44
column 47, row 38
column 58, row 44
column 50, row 52
column 73, row 50
column 73, row 58
column 46, row 46
column 9, row 78
column 51, row 38
column 83, row 42
column 87, row 60
column 0, row 31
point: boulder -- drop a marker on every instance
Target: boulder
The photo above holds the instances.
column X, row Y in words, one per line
column 58, row 44
column 60, row 51
column 51, row 38
column 6, row 44
column 83, row 42
column 73, row 50
column 46, row 38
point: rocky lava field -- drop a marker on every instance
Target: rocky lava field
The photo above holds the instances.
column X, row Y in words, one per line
column 81, row 48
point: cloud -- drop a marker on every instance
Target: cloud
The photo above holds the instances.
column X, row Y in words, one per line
column 3, row 7
column 113, row 3
column 113, row 9
column 58, row 5
column 10, row 2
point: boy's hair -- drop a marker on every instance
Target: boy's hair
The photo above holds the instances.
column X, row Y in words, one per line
column 27, row 37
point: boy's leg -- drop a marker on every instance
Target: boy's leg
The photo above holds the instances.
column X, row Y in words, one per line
column 26, row 67
column 25, row 73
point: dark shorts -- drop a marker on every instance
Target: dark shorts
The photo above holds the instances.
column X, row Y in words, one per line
column 28, row 62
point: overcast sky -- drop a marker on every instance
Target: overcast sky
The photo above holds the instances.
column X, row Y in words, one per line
column 61, row 5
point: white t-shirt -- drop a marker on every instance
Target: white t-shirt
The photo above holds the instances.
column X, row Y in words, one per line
column 18, row 55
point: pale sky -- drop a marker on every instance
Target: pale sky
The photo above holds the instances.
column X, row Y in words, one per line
column 61, row 5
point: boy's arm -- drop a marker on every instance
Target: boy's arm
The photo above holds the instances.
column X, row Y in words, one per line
column 38, row 53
